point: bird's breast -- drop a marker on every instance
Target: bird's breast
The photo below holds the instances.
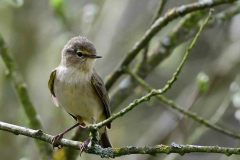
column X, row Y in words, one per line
column 76, row 95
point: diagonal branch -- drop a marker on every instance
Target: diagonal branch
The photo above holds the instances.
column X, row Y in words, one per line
column 155, row 28
column 155, row 92
column 117, row 152
column 160, row 9
column 189, row 114
column 165, row 47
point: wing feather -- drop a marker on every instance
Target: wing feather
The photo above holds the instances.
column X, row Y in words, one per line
column 51, row 87
column 101, row 91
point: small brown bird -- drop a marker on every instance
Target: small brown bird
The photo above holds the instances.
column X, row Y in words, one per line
column 76, row 87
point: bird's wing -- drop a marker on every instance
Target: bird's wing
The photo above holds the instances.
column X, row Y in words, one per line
column 101, row 91
column 51, row 86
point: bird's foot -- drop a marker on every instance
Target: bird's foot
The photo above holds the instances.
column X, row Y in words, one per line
column 84, row 146
column 56, row 141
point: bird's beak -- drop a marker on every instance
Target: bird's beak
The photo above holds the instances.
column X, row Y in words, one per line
column 93, row 56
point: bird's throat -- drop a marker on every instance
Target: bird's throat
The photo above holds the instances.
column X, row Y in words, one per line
column 73, row 75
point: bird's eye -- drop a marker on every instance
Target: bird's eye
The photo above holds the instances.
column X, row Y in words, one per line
column 80, row 54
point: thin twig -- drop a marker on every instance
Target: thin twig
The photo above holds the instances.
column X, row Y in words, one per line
column 160, row 10
column 155, row 28
column 214, row 119
column 194, row 116
column 165, row 47
column 155, row 92
column 198, row 132
column 170, row 82
column 143, row 63
column 117, row 152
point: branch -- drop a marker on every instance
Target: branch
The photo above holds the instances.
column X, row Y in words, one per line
column 214, row 119
column 37, row 134
column 165, row 47
column 155, row 92
column 189, row 114
column 171, row 81
column 155, row 28
column 160, row 10
column 117, row 152
column 143, row 63
column 22, row 93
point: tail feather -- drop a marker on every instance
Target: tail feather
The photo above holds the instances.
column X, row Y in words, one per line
column 105, row 140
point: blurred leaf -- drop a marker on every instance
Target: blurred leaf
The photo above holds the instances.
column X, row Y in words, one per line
column 203, row 82
column 57, row 5
column 234, row 87
column 237, row 114
column 236, row 100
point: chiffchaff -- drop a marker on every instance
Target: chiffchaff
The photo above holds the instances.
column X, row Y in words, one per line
column 76, row 87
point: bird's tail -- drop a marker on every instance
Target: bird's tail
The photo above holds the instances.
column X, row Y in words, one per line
column 105, row 140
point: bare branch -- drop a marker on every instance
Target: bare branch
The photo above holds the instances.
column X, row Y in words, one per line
column 117, row 152
column 158, row 25
column 155, row 92
column 37, row 134
column 165, row 47
column 160, row 9
column 194, row 116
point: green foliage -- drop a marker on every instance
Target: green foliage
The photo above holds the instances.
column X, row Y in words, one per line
column 57, row 5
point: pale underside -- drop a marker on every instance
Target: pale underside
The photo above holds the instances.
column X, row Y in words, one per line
column 74, row 92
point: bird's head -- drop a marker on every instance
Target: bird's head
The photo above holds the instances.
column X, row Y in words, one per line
column 80, row 53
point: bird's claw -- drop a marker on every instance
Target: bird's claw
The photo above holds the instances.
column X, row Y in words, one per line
column 84, row 146
column 56, row 140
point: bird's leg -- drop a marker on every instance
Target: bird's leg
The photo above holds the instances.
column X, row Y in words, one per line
column 84, row 146
column 87, row 143
column 56, row 139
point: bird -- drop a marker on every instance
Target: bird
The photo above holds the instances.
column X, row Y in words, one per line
column 77, row 88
